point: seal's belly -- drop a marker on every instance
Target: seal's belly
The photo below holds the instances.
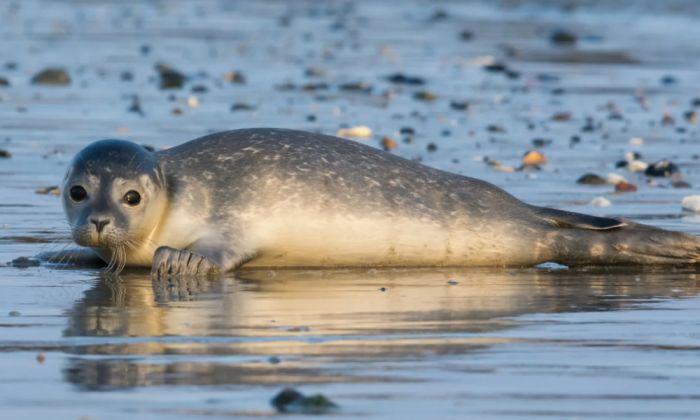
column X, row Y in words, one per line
column 303, row 240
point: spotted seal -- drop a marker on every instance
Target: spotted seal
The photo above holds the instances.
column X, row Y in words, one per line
column 283, row 198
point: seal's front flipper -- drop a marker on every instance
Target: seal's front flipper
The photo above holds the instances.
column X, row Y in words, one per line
column 171, row 262
column 571, row 220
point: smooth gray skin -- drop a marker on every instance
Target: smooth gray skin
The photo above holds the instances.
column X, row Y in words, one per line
column 231, row 171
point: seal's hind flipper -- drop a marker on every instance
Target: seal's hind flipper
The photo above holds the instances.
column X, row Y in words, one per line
column 571, row 220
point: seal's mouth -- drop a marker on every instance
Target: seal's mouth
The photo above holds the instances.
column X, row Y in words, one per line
column 89, row 237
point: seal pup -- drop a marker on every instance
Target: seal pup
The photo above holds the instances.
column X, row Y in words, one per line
column 283, row 198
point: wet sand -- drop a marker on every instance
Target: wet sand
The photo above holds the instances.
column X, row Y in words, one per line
column 603, row 343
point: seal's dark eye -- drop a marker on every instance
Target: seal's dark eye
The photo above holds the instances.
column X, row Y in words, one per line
column 132, row 198
column 78, row 193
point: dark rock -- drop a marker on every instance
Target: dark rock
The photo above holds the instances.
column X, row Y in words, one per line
column 668, row 80
column 135, row 106
column 695, row 102
column 199, row 89
column 591, row 179
column 424, row 96
column 407, row 131
column 4, row 82
column 241, row 106
column 493, row 128
column 170, row 78
column 52, row 76
column 311, row 87
column 459, row 105
column 11, row 66
column 24, row 262
column 439, row 15
column 311, row 118
column 145, row 49
column 402, row 79
column 432, row 147
column 148, row 147
column 662, row 168
column 4, row 154
column 496, row 68
column 289, row 400
column 680, row 184
column 541, row 142
column 466, row 35
column 126, row 76
column 235, row 77
column 563, row 37
column 361, row 87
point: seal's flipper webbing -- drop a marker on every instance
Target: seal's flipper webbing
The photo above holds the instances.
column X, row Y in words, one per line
column 571, row 220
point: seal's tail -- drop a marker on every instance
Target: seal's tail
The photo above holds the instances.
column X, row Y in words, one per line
column 588, row 240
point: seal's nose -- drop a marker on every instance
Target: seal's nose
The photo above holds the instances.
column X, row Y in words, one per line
column 99, row 224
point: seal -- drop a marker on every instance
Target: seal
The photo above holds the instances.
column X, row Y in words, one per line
column 283, row 198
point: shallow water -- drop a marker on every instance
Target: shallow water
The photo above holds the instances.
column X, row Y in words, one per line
column 604, row 343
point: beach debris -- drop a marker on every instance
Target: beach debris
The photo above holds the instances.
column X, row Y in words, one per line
column 551, row 266
column 192, row 101
column 691, row 117
column 563, row 37
column 389, row 144
column 360, row 132
column 691, row 203
column 425, row 95
column 53, row 190
column 242, row 106
column 561, row 116
column 24, row 262
column 235, row 77
column 360, row 87
column 403, row 79
column 170, row 78
column 662, row 168
column 636, row 141
column 591, row 179
column 533, row 158
column 52, row 76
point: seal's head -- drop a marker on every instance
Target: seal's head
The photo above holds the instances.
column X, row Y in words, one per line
column 113, row 195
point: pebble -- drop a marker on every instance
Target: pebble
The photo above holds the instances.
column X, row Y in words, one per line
column 591, row 179
column 625, row 187
column 466, row 35
column 389, row 144
column 235, row 77
column 452, row 282
column 52, row 76
column 691, row 117
column 561, row 116
column 431, row 147
column 170, row 78
column 136, row 106
column 53, row 190
column 192, row 101
column 459, row 105
column 541, row 142
column 533, row 158
column 667, row 119
column 360, row 132
column 360, row 87
column 4, row 82
column 662, row 168
column 636, row 141
column 691, row 203
column 240, row 106
column 289, row 400
column 4, row 154
column 563, row 37
column 600, row 202
column 425, row 96
column 493, row 128
column 403, row 79
column 14, row 313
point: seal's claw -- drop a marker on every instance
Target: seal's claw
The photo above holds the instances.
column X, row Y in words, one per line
column 171, row 262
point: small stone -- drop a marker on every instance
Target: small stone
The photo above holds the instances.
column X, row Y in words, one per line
column 493, row 128
column 360, row 132
column 496, row 67
column 591, row 179
column 691, row 203
column 691, row 117
column 459, row 105
column 289, row 400
column 199, row 89
column 561, row 116
column 235, row 77
column 425, row 96
column 466, row 35
column 240, row 106
column 600, row 202
column 4, row 154
column 431, row 147
column 53, row 190
column 625, row 187
column 360, row 87
column 680, row 184
column 533, row 158
column 541, row 142
column 4, row 82
column 170, row 78
column 662, row 168
column 176, row 111
column 563, row 37
column 274, row 360
column 667, row 119
column 407, row 131
column 126, row 76
column 403, row 79
column 53, row 76
column 192, row 101
column 668, row 80
column 452, row 282
column 389, row 144
column 636, row 141
column 136, row 105
column 382, row 289
column 14, row 313
column 40, row 358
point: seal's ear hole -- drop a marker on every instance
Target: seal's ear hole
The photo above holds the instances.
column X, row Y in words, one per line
column 132, row 198
column 77, row 193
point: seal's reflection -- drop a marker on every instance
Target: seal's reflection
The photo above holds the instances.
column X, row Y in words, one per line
column 223, row 331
